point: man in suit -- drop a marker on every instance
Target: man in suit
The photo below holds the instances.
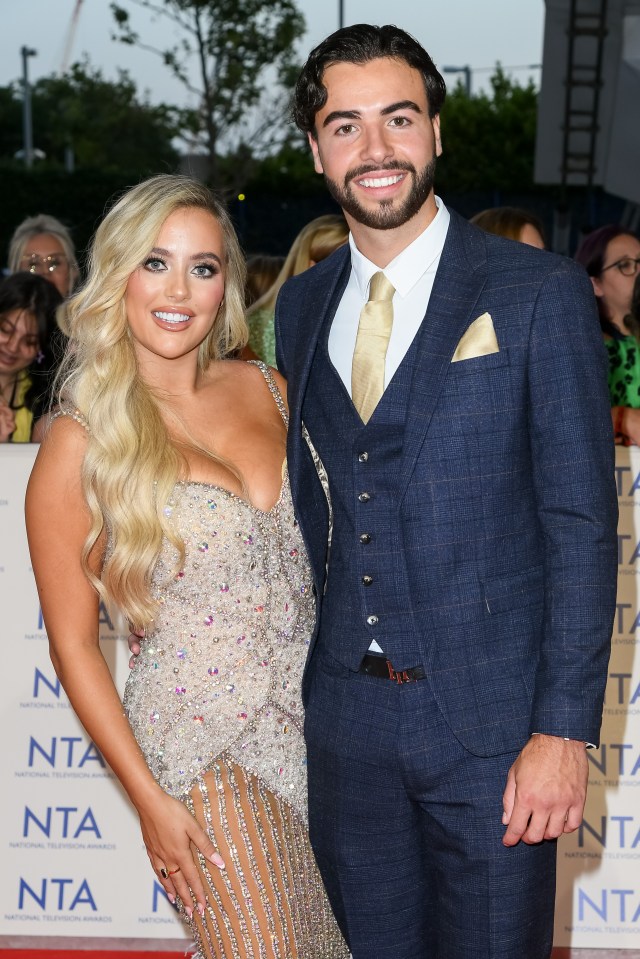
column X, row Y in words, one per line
column 453, row 386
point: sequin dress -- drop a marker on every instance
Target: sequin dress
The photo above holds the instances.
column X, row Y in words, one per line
column 215, row 704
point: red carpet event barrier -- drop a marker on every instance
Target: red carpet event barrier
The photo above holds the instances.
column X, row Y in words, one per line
column 74, row 863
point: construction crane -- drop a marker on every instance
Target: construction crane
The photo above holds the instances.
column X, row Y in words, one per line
column 71, row 32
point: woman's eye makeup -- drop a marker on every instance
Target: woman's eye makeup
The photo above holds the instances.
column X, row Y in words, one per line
column 154, row 263
column 206, row 269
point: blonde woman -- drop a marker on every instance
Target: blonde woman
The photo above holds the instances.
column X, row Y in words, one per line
column 315, row 242
column 165, row 468
column 42, row 244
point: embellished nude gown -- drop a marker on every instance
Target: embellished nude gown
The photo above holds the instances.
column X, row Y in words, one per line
column 215, row 704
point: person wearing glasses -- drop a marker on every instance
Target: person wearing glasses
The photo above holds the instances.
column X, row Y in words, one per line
column 42, row 244
column 611, row 255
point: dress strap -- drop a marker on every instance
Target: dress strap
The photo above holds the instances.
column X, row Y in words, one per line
column 273, row 388
column 72, row 414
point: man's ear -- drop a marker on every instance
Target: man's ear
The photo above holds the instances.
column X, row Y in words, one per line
column 317, row 163
column 436, row 133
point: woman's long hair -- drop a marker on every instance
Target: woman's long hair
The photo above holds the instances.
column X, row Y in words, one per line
column 315, row 242
column 131, row 464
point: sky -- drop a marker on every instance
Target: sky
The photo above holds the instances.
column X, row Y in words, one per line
column 477, row 33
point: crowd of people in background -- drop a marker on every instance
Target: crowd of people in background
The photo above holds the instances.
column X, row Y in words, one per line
column 42, row 270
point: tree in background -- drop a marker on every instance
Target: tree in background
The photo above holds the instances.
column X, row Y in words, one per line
column 106, row 125
column 489, row 141
column 10, row 121
column 243, row 55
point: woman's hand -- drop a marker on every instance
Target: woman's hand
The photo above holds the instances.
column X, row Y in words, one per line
column 134, row 639
column 7, row 422
column 168, row 830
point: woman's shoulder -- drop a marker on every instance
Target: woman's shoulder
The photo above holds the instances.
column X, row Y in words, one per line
column 57, row 472
column 65, row 412
column 246, row 380
column 237, row 372
column 64, row 434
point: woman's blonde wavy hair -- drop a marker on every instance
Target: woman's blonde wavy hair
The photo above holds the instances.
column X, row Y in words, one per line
column 131, row 464
column 315, row 242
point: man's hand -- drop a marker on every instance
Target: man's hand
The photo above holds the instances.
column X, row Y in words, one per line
column 546, row 790
column 134, row 645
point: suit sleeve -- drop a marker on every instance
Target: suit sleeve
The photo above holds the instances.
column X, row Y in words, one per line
column 573, row 463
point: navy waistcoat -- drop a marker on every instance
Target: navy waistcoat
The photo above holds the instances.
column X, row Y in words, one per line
column 367, row 591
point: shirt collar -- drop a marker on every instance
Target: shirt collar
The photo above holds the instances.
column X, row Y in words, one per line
column 412, row 263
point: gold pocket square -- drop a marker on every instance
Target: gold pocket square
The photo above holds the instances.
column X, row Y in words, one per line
column 479, row 340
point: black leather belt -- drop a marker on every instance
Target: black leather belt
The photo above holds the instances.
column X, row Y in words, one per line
column 382, row 668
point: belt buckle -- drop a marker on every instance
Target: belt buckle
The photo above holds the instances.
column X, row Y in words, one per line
column 396, row 676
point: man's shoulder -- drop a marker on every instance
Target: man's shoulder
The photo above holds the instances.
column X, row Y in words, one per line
column 324, row 274
column 501, row 255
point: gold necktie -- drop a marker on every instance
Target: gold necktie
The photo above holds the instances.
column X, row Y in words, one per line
column 374, row 330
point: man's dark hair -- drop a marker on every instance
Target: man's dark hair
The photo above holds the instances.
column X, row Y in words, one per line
column 361, row 43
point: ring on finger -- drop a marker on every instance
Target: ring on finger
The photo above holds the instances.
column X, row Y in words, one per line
column 165, row 873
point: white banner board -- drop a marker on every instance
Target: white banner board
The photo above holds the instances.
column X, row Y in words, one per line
column 72, row 852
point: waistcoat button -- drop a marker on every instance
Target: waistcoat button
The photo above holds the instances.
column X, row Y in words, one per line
column 364, row 497
column 367, row 580
column 372, row 620
column 363, row 457
column 365, row 538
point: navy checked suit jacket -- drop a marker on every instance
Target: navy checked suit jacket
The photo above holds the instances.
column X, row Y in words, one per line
column 507, row 509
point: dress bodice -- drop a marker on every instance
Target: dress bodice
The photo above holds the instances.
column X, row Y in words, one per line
column 221, row 671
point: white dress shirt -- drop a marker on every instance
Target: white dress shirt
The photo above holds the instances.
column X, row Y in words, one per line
column 412, row 274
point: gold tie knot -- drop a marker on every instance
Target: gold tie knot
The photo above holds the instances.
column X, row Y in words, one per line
column 374, row 331
column 381, row 289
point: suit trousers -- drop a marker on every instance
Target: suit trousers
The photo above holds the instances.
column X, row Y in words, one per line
column 406, row 826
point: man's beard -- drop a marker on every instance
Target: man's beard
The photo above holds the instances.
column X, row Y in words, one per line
column 386, row 216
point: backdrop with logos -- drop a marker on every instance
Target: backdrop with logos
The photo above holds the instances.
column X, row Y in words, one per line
column 73, row 860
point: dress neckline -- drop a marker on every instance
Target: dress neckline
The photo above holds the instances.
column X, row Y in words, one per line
column 242, row 499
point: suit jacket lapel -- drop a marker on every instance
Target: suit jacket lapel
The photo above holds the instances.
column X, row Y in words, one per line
column 316, row 310
column 459, row 281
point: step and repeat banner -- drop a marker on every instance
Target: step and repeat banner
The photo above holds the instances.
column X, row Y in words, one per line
column 73, row 863
column 598, row 899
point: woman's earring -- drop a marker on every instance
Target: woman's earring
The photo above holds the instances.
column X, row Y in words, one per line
column 39, row 357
